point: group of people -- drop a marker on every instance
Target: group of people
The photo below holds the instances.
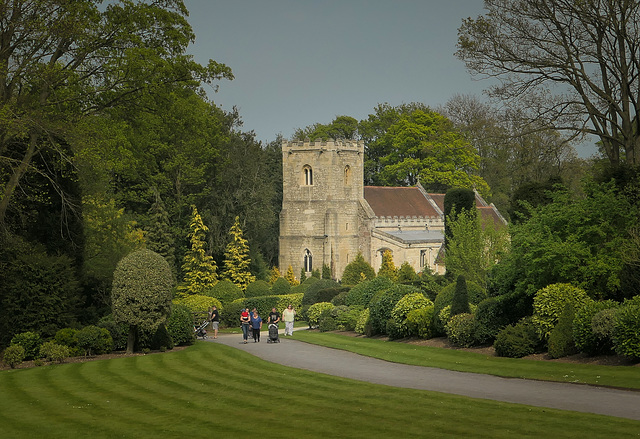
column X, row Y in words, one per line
column 252, row 321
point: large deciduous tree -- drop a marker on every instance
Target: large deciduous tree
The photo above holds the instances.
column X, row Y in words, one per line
column 573, row 64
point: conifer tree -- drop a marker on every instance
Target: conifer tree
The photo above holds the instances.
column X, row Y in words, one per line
column 303, row 275
column 406, row 273
column 357, row 271
column 158, row 234
column 236, row 258
column 326, row 271
column 200, row 270
column 290, row 277
column 460, row 301
column 275, row 275
column 388, row 268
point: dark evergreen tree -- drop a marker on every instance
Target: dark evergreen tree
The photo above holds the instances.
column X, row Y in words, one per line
column 158, row 233
column 460, row 302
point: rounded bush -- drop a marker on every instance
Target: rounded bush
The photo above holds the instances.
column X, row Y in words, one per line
column 491, row 317
column 603, row 326
column 460, row 330
column 549, row 302
column 14, row 355
column 180, row 326
column 257, row 289
column 362, row 293
column 322, row 290
column 225, row 291
column 327, row 321
column 52, row 351
column 95, row 340
column 357, row 271
column 408, row 303
column 302, row 288
column 363, row 322
column 561, row 342
column 119, row 333
column 347, row 317
column 383, row 303
column 626, row 334
column 30, row 341
column 313, row 314
column 585, row 338
column 420, row 322
column 280, row 286
column 517, row 341
column 339, row 299
column 69, row 337
column 475, row 295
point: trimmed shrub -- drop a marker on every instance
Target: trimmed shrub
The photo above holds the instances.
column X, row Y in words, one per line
column 154, row 340
column 198, row 304
column 280, row 286
column 362, row 293
column 302, row 288
column 313, row 314
column 626, row 334
column 420, row 322
column 603, row 326
column 475, row 294
column 347, row 317
column 549, row 302
column 460, row 300
column 357, row 271
column 30, row 341
column 322, row 290
column 585, row 337
column 180, row 326
column 52, row 351
column 14, row 355
column 225, row 291
column 95, row 340
column 119, row 333
column 517, row 341
column 404, row 306
column 339, row 299
column 327, row 320
column 364, row 322
column 69, row 337
column 460, row 330
column 257, row 289
column 561, row 341
column 383, row 303
column 491, row 317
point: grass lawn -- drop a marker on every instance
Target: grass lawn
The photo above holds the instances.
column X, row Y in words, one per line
column 463, row 361
column 212, row 390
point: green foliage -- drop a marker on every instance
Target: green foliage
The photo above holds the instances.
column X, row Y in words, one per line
column 314, row 312
column 626, row 334
column 225, row 291
column 357, row 271
column 406, row 273
column 549, row 302
column 401, row 310
column 316, row 274
column 158, row 234
column 339, row 298
column 383, row 303
column 561, row 342
column 95, row 340
column 302, row 288
column 200, row 270
column 258, row 288
column 459, row 200
column 326, row 271
column 322, row 290
column 291, row 277
column 30, row 341
column 475, row 293
column 347, row 316
column 460, row 300
column 387, row 267
column 280, row 286
column 231, row 316
column 69, row 337
column 460, row 330
column 362, row 293
column 420, row 322
column 14, row 355
column 492, row 315
column 154, row 340
column 363, row 326
column 180, row 325
column 518, row 340
column 52, row 351
column 587, row 339
column 199, row 304
column 236, row 258
column 603, row 326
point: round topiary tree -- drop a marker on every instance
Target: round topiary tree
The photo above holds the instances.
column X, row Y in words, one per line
column 280, row 287
column 550, row 301
column 257, row 289
column 141, row 293
column 225, row 291
column 357, row 271
column 408, row 303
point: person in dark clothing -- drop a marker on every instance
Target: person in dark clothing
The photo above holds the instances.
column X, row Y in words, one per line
column 256, row 325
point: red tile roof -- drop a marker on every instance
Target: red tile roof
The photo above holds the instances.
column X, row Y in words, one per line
column 398, row 201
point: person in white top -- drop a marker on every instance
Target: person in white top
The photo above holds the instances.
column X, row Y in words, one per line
column 288, row 315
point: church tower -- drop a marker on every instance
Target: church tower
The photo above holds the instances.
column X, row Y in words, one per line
column 322, row 192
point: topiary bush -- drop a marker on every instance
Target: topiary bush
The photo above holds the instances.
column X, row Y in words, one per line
column 322, row 290
column 585, row 338
column 347, row 316
column 460, row 299
column 460, row 330
column 549, row 302
column 52, row 351
column 357, row 271
column 626, row 333
column 327, row 320
column 302, row 288
column 257, row 289
column 518, row 340
column 95, row 340
column 420, row 322
column 603, row 326
column 362, row 293
column 363, row 326
column 30, row 341
column 491, row 317
column 154, row 340
column 475, row 295
column 180, row 326
column 383, row 303
column 119, row 333
column 280, row 286
column 313, row 314
column 408, row 303
column 561, row 341
column 225, row 291
column 339, row 299
column 14, row 355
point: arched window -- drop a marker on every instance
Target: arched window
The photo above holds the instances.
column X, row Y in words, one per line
column 347, row 175
column 308, row 263
column 307, row 175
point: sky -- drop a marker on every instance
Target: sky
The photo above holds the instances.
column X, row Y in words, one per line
column 300, row 62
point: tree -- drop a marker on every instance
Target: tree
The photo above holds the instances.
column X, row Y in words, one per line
column 64, row 62
column 274, row 275
column 141, row 294
column 572, row 64
column 236, row 258
column 199, row 268
column 406, row 273
column 357, row 271
column 158, row 233
column 291, row 277
column 342, row 127
column 460, row 301
column 387, row 267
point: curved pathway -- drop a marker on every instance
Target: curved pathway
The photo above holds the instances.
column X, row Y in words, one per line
column 575, row 397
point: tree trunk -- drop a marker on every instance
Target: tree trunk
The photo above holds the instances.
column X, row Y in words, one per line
column 15, row 178
column 131, row 340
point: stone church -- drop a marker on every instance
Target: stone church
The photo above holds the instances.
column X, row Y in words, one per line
column 328, row 216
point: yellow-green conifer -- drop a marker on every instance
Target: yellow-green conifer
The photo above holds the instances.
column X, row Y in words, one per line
column 388, row 268
column 200, row 270
column 236, row 258
column 290, row 277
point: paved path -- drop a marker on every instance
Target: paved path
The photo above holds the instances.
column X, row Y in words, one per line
column 580, row 398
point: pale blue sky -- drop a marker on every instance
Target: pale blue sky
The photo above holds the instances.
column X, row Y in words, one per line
column 298, row 62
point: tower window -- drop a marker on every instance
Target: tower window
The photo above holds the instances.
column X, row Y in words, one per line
column 308, row 175
column 347, row 175
column 308, row 262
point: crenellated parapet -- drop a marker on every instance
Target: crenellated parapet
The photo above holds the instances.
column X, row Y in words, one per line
column 336, row 145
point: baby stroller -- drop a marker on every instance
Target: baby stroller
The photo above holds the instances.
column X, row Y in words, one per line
column 200, row 330
column 273, row 333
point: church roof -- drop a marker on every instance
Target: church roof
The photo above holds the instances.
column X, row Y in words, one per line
column 399, row 201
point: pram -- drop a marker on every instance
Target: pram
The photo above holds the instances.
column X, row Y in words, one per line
column 273, row 333
column 200, row 330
